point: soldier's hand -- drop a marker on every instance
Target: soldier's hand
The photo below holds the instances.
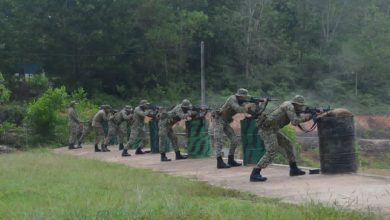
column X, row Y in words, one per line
column 249, row 106
column 308, row 117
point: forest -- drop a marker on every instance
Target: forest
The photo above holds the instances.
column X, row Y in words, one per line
column 334, row 52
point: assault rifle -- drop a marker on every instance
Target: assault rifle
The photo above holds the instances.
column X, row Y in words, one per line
column 201, row 111
column 314, row 112
column 155, row 110
column 257, row 100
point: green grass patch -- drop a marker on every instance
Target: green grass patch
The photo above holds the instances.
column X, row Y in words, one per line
column 42, row 185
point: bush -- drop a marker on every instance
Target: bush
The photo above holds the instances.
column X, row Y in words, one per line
column 43, row 115
column 5, row 93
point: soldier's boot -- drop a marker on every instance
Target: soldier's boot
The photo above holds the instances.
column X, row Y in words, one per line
column 125, row 153
column 106, row 148
column 79, row 145
column 256, row 176
column 97, row 148
column 121, row 146
column 103, row 148
column 139, row 151
column 164, row 158
column 180, row 157
column 295, row 171
column 71, row 147
column 221, row 164
column 232, row 162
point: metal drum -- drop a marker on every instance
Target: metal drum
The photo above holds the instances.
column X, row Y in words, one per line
column 337, row 145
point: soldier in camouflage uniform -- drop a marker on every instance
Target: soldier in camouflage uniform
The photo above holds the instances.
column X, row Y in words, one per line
column 221, row 124
column 165, row 126
column 74, row 125
column 97, row 123
column 114, row 125
column 86, row 128
column 137, row 127
column 269, row 126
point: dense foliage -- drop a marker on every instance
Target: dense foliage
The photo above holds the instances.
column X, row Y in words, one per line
column 335, row 51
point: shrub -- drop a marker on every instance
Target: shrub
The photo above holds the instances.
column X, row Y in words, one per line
column 5, row 93
column 43, row 115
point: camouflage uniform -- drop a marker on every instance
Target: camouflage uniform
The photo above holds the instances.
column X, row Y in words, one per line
column 221, row 125
column 97, row 123
column 165, row 127
column 74, row 124
column 137, row 127
column 114, row 125
column 87, row 127
column 269, row 126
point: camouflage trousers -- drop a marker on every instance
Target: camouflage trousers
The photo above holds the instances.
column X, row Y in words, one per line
column 166, row 133
column 221, row 126
column 114, row 130
column 100, row 136
column 274, row 140
column 74, row 133
column 136, row 133
column 85, row 131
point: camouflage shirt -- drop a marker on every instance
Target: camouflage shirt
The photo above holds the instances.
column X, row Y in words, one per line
column 99, row 118
column 282, row 116
column 230, row 108
column 139, row 117
column 177, row 114
column 72, row 116
column 121, row 116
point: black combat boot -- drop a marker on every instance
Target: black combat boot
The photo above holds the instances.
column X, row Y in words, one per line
column 295, row 171
column 256, row 176
column 125, row 154
column 121, row 147
column 97, row 148
column 232, row 162
column 71, row 147
column 139, row 151
column 179, row 156
column 164, row 158
column 221, row 164
column 79, row 145
column 106, row 148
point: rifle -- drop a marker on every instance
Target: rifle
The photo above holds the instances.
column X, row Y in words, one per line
column 155, row 110
column 257, row 100
column 201, row 111
column 314, row 112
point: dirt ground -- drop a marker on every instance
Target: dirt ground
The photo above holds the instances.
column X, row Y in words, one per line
column 362, row 192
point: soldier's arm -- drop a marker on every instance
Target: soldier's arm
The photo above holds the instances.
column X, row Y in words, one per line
column 296, row 119
column 126, row 116
column 105, row 116
column 236, row 107
column 138, row 111
column 73, row 116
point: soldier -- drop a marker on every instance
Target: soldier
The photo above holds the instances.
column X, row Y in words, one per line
column 137, row 131
column 269, row 126
column 167, row 120
column 86, row 128
column 97, row 123
column 114, row 125
column 74, row 125
column 221, row 124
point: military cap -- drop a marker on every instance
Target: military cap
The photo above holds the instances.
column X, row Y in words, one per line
column 186, row 103
column 105, row 107
column 128, row 107
column 72, row 103
column 242, row 92
column 299, row 100
column 144, row 102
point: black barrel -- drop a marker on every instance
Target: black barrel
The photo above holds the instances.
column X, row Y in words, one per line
column 337, row 145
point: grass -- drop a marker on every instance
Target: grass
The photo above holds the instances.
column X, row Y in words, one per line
column 42, row 185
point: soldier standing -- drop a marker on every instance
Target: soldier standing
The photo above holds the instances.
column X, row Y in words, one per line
column 165, row 126
column 97, row 123
column 114, row 125
column 269, row 126
column 137, row 127
column 221, row 124
column 74, row 125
